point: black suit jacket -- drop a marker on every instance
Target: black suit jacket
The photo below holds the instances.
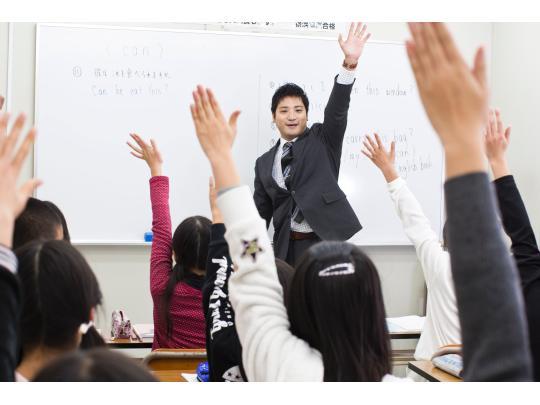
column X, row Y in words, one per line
column 314, row 180
column 10, row 302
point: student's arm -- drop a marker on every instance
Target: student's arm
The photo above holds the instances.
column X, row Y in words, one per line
column 270, row 351
column 433, row 258
column 12, row 202
column 262, row 199
column 513, row 212
column 490, row 304
column 335, row 113
column 161, row 255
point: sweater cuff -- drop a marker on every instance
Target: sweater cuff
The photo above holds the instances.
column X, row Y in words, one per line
column 236, row 205
column 217, row 232
column 8, row 260
column 508, row 179
column 396, row 184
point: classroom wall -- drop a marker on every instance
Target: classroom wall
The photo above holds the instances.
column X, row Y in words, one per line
column 516, row 91
column 123, row 270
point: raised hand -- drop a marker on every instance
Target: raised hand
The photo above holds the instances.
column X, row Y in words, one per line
column 216, row 136
column 455, row 97
column 148, row 152
column 353, row 46
column 212, row 196
column 384, row 160
column 13, row 199
column 497, row 139
column 215, row 133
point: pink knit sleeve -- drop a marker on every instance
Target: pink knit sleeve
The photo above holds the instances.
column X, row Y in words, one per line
column 161, row 257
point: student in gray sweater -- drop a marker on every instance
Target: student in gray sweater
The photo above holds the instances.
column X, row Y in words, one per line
column 490, row 303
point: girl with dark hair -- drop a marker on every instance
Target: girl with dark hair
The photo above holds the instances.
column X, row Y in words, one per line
column 60, row 214
column 60, row 294
column 176, row 289
column 96, row 365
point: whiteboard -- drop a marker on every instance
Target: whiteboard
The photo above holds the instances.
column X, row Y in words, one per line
column 95, row 85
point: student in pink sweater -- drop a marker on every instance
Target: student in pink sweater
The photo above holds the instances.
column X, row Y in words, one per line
column 176, row 289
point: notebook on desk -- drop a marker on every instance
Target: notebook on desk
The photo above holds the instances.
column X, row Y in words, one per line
column 403, row 324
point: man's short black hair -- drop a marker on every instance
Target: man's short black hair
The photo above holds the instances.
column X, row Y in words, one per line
column 289, row 90
column 37, row 222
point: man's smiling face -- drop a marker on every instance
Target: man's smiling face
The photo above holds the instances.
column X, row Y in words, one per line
column 290, row 117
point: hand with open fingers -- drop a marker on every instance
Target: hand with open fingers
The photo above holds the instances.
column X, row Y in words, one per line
column 353, row 46
column 148, row 152
column 496, row 136
column 212, row 195
column 12, row 198
column 383, row 159
column 216, row 134
column 455, row 97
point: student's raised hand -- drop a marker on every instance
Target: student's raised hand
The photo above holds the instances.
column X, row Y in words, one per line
column 383, row 159
column 216, row 136
column 148, row 152
column 496, row 139
column 12, row 198
column 212, row 195
column 455, row 97
column 353, row 46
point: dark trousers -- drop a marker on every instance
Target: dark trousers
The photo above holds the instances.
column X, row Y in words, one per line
column 297, row 249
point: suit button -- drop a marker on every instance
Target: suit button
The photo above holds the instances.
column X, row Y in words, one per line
column 293, row 192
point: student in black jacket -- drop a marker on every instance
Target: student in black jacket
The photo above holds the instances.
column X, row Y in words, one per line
column 12, row 202
column 518, row 227
column 223, row 348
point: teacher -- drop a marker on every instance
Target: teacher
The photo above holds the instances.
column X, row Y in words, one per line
column 296, row 181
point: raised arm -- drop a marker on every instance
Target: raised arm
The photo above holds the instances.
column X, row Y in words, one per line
column 513, row 212
column 495, row 342
column 161, row 256
column 433, row 258
column 335, row 113
column 12, row 202
column 270, row 351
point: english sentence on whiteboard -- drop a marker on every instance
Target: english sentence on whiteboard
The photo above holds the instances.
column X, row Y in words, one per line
column 369, row 89
column 116, row 90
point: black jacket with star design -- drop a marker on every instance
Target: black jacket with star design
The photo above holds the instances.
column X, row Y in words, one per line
column 223, row 347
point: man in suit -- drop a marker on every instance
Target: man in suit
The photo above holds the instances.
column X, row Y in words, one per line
column 296, row 181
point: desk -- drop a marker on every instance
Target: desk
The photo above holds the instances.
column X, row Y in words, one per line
column 427, row 370
column 147, row 342
column 129, row 343
column 172, row 375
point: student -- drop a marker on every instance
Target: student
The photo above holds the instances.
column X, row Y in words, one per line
column 96, row 365
column 12, row 201
column 223, row 348
column 334, row 328
column 38, row 221
column 65, row 230
column 518, row 227
column 296, row 180
column 176, row 290
column 490, row 305
column 441, row 326
column 60, row 295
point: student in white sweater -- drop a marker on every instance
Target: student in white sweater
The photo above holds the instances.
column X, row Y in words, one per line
column 441, row 327
column 335, row 328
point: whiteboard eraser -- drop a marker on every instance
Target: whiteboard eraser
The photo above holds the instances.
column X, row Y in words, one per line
column 148, row 236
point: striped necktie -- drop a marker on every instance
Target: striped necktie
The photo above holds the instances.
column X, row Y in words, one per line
column 286, row 160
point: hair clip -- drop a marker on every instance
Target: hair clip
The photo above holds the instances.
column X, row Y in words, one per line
column 337, row 270
column 85, row 326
